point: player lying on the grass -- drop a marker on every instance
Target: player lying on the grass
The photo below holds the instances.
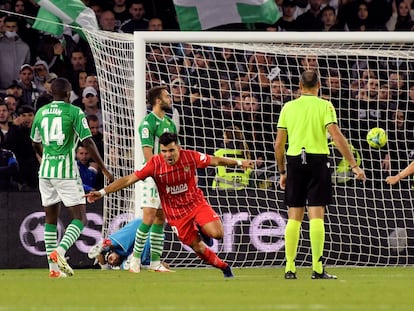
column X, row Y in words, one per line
column 115, row 251
column 184, row 204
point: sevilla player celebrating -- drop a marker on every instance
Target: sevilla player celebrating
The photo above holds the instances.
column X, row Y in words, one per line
column 184, row 204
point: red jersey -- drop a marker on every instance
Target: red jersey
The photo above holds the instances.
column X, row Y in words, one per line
column 176, row 183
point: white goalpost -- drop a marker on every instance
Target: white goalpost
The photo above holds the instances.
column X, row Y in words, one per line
column 233, row 85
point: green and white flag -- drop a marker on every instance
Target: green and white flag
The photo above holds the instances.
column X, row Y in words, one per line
column 53, row 14
column 205, row 14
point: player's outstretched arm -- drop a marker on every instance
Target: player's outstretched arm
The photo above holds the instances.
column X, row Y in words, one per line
column 112, row 187
column 409, row 170
column 220, row 161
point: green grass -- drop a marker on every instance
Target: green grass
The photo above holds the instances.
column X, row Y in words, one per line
column 205, row 289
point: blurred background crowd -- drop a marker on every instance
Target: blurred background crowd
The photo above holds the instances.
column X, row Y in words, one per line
column 30, row 60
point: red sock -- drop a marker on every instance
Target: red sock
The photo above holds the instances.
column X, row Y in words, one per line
column 210, row 257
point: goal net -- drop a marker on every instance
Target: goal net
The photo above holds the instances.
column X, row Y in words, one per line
column 228, row 93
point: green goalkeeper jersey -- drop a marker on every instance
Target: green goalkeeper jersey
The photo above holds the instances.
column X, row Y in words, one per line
column 152, row 127
column 59, row 126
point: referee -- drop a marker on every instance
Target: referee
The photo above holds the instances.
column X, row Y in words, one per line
column 305, row 175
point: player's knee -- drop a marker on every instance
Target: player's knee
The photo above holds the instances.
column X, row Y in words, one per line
column 217, row 234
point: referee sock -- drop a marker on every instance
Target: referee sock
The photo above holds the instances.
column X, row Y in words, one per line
column 141, row 238
column 211, row 258
column 50, row 244
column 156, row 241
column 292, row 232
column 72, row 233
column 317, row 239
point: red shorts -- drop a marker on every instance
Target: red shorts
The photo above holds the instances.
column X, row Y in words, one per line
column 185, row 228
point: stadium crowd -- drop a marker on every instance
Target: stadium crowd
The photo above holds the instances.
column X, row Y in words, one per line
column 224, row 87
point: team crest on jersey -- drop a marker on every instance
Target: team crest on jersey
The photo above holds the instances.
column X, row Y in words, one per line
column 186, row 169
column 145, row 133
column 85, row 123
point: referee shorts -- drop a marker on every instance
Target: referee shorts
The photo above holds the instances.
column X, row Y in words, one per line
column 310, row 183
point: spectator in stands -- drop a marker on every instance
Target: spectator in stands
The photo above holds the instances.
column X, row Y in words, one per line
column 24, row 26
column 16, row 90
column 9, row 167
column 97, row 135
column 366, row 113
column 397, row 84
column 46, row 96
column 90, row 101
column 80, row 63
column 235, row 147
column 26, row 156
column 2, row 17
column 30, row 90
column 41, row 70
column 228, row 64
column 11, row 102
column 223, row 98
column 107, row 21
column 249, row 120
column 260, row 68
column 309, row 21
column 180, row 96
column 97, row 8
column 329, row 20
column 137, row 22
column 52, row 51
column 202, row 74
column 155, row 24
column 279, row 94
column 14, row 138
column 361, row 20
column 80, row 83
column 121, row 13
column 14, row 52
column 87, row 169
column 402, row 18
column 92, row 80
column 288, row 20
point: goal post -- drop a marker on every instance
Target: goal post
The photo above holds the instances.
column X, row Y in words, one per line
column 367, row 75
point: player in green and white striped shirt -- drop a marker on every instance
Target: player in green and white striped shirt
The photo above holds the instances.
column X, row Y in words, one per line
column 151, row 128
column 57, row 129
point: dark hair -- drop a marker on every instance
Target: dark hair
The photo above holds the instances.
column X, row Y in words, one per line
column 309, row 79
column 92, row 117
column 10, row 18
column 168, row 138
column 25, row 109
column 61, row 88
column 155, row 93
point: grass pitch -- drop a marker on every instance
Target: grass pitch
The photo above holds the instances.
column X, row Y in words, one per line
column 205, row 289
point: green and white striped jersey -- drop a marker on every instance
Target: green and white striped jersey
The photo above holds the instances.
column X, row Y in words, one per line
column 59, row 126
column 152, row 127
